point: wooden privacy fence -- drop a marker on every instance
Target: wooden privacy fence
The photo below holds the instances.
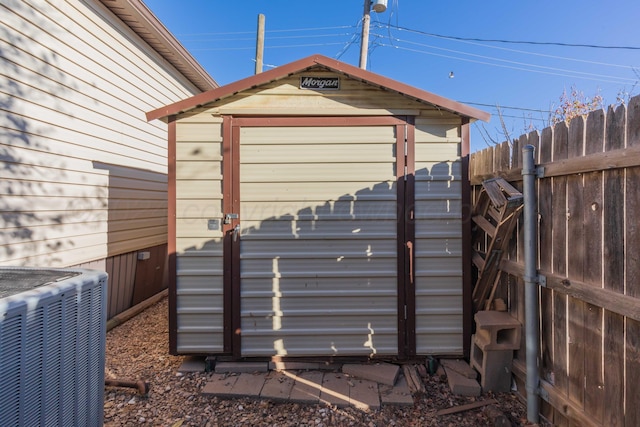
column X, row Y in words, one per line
column 588, row 194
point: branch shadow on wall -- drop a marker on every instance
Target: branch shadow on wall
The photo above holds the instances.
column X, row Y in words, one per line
column 33, row 203
column 322, row 279
column 136, row 206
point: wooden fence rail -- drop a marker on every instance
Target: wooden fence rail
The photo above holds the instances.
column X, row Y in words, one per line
column 589, row 249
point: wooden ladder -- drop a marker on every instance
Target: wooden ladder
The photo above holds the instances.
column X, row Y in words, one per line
column 495, row 216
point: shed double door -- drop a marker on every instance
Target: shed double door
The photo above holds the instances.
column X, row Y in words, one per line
column 319, row 244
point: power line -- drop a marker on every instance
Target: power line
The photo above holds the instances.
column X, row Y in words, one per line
column 513, row 62
column 506, row 107
column 210, row 40
column 565, row 58
column 267, row 31
column 442, row 36
column 268, row 47
column 504, row 66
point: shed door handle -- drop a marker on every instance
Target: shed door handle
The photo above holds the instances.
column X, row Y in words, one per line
column 236, row 231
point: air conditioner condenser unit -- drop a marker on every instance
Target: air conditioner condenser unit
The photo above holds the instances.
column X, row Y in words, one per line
column 52, row 346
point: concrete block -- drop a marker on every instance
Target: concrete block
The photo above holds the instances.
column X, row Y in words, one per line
column 364, row 395
column 383, row 373
column 192, row 364
column 494, row 366
column 399, row 394
column 220, row 385
column 302, row 366
column 459, row 384
column 240, row 367
column 460, row 366
column 497, row 330
column 277, row 387
column 306, row 388
column 248, row 385
column 335, row 390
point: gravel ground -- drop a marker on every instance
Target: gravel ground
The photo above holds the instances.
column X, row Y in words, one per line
column 138, row 349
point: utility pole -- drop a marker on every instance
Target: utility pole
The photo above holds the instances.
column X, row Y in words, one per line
column 260, row 44
column 379, row 6
column 364, row 40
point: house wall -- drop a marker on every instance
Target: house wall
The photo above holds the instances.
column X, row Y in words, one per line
column 84, row 176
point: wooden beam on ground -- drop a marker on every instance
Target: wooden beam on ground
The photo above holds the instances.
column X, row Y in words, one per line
column 467, row 407
column 413, row 379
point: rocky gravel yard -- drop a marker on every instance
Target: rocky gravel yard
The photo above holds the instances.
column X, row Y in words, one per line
column 138, row 349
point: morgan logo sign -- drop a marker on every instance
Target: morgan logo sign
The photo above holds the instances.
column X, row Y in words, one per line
column 320, row 83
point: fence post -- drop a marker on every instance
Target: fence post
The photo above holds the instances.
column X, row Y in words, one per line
column 531, row 283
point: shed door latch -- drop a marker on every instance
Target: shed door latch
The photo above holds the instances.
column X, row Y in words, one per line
column 228, row 217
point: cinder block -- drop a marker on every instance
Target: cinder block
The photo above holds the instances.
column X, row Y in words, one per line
column 460, row 366
column 241, row 367
column 303, row 366
column 399, row 394
column 497, row 330
column 494, row 367
column 459, row 384
column 192, row 364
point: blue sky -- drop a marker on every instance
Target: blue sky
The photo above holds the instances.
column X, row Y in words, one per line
column 413, row 42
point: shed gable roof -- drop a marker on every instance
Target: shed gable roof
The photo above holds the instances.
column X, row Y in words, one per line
column 310, row 63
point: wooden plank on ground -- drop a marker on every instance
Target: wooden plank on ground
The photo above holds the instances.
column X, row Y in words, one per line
column 467, row 407
column 413, row 379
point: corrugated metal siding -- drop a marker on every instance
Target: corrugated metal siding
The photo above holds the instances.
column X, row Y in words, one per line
column 438, row 258
column 199, row 282
column 84, row 174
column 318, row 241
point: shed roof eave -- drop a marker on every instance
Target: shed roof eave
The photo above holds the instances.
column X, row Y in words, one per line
column 311, row 62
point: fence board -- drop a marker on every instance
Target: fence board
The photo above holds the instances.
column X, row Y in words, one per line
column 575, row 266
column 545, row 215
column 559, row 266
column 632, row 265
column 614, row 279
column 633, row 122
column 593, row 214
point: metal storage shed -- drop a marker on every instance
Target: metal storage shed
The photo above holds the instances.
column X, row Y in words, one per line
column 318, row 209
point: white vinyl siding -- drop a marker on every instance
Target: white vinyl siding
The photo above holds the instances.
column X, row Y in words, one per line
column 199, row 250
column 318, row 240
column 83, row 175
column 438, row 257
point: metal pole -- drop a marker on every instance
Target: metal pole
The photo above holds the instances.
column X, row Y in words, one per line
column 364, row 40
column 260, row 44
column 531, row 283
